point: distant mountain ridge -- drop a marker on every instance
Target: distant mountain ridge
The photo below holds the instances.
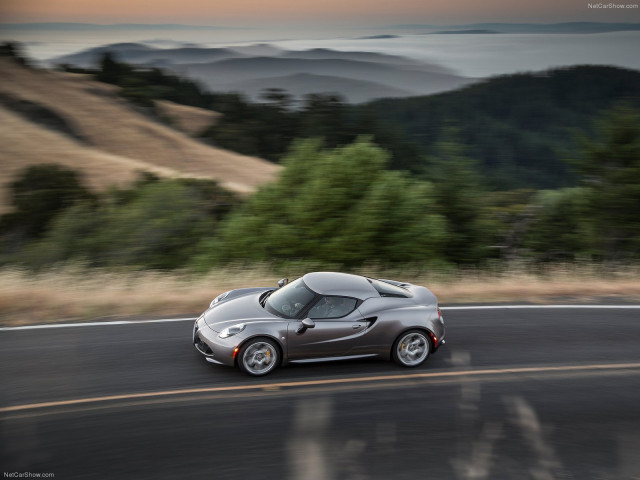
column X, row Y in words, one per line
column 138, row 53
column 226, row 74
column 300, row 84
column 357, row 76
column 565, row 27
column 466, row 32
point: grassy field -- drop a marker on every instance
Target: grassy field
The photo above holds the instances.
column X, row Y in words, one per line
column 76, row 294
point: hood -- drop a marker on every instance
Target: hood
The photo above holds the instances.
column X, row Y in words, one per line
column 242, row 309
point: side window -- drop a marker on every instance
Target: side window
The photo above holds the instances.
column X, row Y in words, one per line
column 332, row 307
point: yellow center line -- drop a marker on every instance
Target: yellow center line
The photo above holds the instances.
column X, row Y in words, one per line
column 331, row 381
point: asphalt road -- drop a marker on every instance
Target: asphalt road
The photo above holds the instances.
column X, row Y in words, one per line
column 515, row 393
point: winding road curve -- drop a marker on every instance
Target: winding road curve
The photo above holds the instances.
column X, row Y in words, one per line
column 518, row 392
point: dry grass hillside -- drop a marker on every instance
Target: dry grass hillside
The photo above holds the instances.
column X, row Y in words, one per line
column 191, row 120
column 103, row 136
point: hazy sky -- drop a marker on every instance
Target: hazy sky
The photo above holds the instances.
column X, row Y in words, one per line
column 318, row 12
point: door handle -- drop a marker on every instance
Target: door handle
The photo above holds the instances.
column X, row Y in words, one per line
column 357, row 325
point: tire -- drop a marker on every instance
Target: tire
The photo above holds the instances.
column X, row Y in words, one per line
column 411, row 348
column 258, row 356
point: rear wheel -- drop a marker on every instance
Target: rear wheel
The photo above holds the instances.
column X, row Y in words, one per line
column 258, row 357
column 411, row 348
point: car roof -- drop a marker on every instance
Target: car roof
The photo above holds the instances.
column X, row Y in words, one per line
column 343, row 284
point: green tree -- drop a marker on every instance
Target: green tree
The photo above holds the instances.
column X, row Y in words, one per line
column 38, row 194
column 561, row 228
column 112, row 71
column 325, row 116
column 460, row 196
column 156, row 224
column 333, row 206
column 610, row 168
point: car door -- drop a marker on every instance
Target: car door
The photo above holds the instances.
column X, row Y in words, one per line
column 337, row 330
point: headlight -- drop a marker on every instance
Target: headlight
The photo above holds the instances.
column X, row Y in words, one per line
column 219, row 298
column 232, row 330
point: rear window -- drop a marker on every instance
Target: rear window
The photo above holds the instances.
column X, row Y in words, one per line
column 386, row 289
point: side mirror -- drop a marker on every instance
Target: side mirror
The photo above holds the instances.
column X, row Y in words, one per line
column 306, row 323
column 282, row 282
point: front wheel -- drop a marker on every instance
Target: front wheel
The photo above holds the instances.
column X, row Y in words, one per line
column 411, row 348
column 258, row 357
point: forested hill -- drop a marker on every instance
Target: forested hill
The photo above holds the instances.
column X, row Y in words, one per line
column 519, row 127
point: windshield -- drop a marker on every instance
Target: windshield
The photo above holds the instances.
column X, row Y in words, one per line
column 290, row 300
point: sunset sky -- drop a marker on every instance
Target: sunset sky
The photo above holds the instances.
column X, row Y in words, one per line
column 305, row 12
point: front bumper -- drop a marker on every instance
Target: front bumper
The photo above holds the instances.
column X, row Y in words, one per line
column 215, row 349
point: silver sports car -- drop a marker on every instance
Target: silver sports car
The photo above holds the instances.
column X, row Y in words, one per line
column 319, row 317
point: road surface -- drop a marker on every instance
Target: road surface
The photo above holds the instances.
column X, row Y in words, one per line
column 519, row 393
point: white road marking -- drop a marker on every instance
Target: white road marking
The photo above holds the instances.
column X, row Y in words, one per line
column 96, row 324
column 519, row 307
column 191, row 319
